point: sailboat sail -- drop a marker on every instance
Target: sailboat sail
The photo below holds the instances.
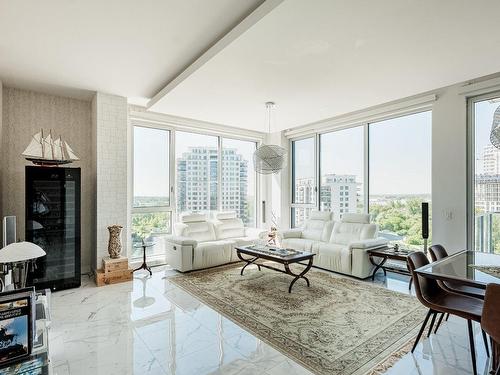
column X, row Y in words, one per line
column 58, row 152
column 34, row 149
column 49, row 151
column 71, row 154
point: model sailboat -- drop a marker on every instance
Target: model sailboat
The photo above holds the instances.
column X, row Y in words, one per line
column 48, row 151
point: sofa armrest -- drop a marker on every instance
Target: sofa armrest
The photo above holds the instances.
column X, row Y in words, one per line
column 368, row 244
column 256, row 233
column 182, row 241
column 290, row 233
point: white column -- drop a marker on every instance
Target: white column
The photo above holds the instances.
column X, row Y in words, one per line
column 110, row 133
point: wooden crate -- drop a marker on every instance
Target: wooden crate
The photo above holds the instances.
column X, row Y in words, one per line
column 113, row 277
column 113, row 265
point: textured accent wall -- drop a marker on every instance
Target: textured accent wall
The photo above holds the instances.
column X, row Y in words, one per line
column 110, row 133
column 24, row 113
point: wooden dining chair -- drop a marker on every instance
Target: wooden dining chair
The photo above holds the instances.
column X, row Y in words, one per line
column 439, row 300
column 490, row 322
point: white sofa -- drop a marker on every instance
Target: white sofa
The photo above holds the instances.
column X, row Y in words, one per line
column 200, row 243
column 339, row 246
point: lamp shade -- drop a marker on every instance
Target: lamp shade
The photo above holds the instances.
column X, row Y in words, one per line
column 269, row 159
column 20, row 252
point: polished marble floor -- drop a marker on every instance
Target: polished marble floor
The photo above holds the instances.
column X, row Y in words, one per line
column 150, row 326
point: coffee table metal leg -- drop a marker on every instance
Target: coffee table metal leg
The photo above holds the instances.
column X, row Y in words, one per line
column 249, row 261
column 299, row 276
column 378, row 266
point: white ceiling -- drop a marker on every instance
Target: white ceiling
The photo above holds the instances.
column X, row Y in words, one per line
column 315, row 59
column 125, row 47
column 322, row 58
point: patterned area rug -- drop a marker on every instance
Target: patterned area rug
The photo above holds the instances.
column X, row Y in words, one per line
column 338, row 326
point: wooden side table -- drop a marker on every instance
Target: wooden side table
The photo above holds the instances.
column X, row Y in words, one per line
column 386, row 253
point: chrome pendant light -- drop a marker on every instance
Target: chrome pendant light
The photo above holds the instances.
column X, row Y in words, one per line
column 269, row 159
column 495, row 129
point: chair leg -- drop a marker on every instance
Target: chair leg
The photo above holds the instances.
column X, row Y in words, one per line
column 422, row 329
column 439, row 322
column 472, row 348
column 485, row 339
column 447, row 316
column 432, row 324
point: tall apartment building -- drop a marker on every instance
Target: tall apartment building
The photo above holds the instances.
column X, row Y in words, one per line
column 487, row 184
column 338, row 193
column 197, row 181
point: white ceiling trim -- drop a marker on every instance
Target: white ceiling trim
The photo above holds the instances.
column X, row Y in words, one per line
column 377, row 113
column 222, row 43
column 137, row 113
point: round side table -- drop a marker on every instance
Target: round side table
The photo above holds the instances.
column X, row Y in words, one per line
column 144, row 265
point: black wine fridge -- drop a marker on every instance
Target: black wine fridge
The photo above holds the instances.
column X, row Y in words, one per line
column 53, row 223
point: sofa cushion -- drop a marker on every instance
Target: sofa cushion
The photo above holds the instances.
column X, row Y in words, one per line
column 191, row 218
column 318, row 227
column 356, row 218
column 212, row 253
column 200, row 231
column 345, row 233
column 300, row 244
column 224, row 215
column 320, row 215
column 333, row 257
column 229, row 228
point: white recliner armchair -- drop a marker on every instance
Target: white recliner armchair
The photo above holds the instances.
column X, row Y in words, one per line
column 340, row 246
column 200, row 243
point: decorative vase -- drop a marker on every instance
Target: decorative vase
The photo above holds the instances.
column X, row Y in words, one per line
column 114, row 244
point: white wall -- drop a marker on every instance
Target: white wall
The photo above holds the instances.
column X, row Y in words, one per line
column 449, row 169
column 110, row 132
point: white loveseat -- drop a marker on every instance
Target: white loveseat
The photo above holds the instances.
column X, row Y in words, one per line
column 339, row 246
column 200, row 243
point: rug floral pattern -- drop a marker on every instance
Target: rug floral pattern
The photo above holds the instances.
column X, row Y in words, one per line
column 338, row 326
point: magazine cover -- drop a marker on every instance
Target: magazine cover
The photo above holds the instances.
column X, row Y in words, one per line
column 15, row 329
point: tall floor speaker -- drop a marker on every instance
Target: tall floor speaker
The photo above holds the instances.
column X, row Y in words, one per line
column 425, row 224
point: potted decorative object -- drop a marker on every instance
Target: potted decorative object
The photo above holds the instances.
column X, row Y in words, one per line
column 114, row 244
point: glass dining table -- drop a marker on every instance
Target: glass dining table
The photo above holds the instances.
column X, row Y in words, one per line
column 472, row 268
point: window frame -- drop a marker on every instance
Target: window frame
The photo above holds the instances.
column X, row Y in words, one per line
column 470, row 162
column 366, row 144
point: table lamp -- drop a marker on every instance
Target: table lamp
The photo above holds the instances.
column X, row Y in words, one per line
column 18, row 256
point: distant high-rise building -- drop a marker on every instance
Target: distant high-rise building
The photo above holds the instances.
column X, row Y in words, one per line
column 491, row 160
column 197, row 181
column 338, row 193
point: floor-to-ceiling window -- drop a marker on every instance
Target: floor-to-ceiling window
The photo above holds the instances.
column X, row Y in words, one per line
column 485, row 174
column 151, row 206
column 303, row 180
column 342, row 171
column 204, row 187
column 400, row 176
column 396, row 155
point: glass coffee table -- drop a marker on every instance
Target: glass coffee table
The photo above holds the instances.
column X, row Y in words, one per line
column 286, row 257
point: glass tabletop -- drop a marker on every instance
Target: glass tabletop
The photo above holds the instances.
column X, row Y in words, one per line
column 143, row 244
column 470, row 267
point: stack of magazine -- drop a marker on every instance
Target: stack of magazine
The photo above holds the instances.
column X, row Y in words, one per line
column 23, row 350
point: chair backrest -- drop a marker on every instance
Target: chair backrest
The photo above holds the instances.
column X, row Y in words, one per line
column 352, row 228
column 490, row 320
column 227, row 224
column 425, row 288
column 195, row 226
column 437, row 252
column 318, row 227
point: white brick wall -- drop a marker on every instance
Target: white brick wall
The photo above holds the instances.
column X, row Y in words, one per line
column 110, row 133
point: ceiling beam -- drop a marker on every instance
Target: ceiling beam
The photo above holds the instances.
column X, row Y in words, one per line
column 254, row 17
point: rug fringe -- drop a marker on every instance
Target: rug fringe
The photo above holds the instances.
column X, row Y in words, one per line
column 391, row 360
